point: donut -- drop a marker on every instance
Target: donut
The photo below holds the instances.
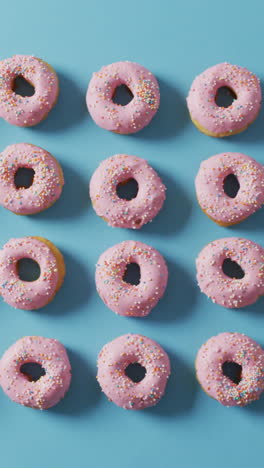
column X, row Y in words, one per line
column 29, row 110
column 219, row 287
column 47, row 182
column 50, row 388
column 119, row 212
column 30, row 295
column 114, row 359
column 238, row 349
column 132, row 300
column 213, row 200
column 217, row 121
column 138, row 112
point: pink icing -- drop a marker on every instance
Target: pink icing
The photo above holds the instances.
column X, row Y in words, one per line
column 47, row 183
column 231, row 347
column 138, row 112
column 50, row 388
column 122, row 297
column 27, row 111
column 220, row 120
column 209, row 185
column 114, row 359
column 24, row 294
column 119, row 212
column 225, row 291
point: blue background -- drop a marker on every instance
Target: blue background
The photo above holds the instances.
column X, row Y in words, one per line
column 176, row 41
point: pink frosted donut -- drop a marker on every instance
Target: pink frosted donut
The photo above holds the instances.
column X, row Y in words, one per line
column 47, row 182
column 217, row 121
column 113, row 361
column 125, row 298
column 30, row 295
column 118, row 212
column 50, row 388
column 237, row 349
column 27, row 111
column 138, row 112
column 211, row 196
column 222, row 289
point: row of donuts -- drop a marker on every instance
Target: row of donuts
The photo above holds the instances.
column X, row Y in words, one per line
column 209, row 118
column 112, row 284
column 116, row 358
column 47, row 184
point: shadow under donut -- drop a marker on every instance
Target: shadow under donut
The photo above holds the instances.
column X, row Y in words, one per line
column 75, row 290
column 180, row 392
column 171, row 117
column 249, row 224
column 73, row 201
column 180, row 295
column 175, row 212
column 84, row 391
column 69, row 109
column 257, row 308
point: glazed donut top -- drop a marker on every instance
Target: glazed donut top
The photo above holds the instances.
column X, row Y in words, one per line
column 47, row 183
column 138, row 112
column 50, row 388
column 128, row 349
column 119, row 212
column 122, row 297
column 27, row 111
column 226, row 291
column 210, row 189
column 23, row 294
column 231, row 347
column 221, row 120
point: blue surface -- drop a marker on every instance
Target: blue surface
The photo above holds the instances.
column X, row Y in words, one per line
column 176, row 41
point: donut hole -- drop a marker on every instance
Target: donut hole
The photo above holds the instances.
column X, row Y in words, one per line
column 132, row 274
column 232, row 371
column 28, row 269
column 135, row 372
column 22, row 87
column 231, row 185
column 24, row 177
column 33, row 371
column 225, row 96
column 127, row 189
column 122, row 95
column 232, row 269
